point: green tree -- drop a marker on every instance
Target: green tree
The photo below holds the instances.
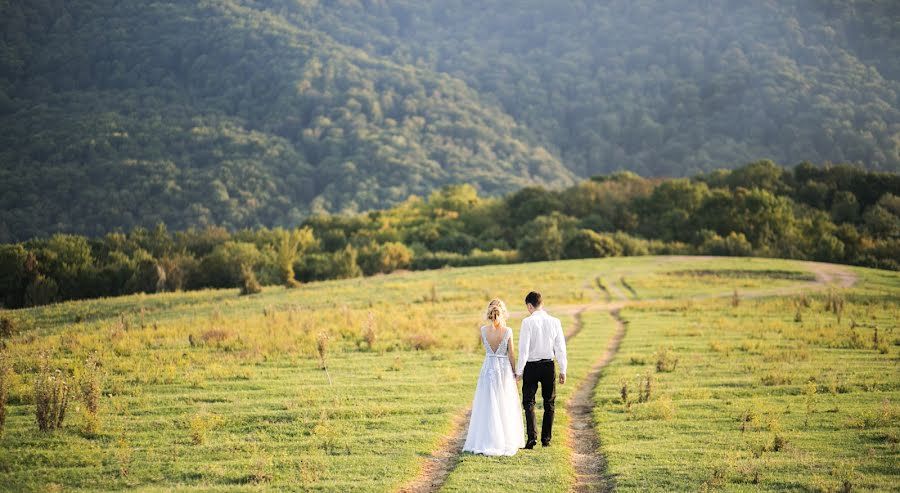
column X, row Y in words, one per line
column 541, row 239
column 291, row 244
column 588, row 244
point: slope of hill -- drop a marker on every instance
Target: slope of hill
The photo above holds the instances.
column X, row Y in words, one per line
column 246, row 113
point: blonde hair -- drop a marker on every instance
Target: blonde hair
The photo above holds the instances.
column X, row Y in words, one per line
column 496, row 310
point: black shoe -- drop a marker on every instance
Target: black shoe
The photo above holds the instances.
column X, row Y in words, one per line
column 545, row 444
column 530, row 444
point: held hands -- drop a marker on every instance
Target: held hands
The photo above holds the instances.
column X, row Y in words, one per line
column 518, row 378
column 562, row 378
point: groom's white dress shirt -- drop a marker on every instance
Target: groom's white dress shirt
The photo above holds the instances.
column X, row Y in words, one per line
column 541, row 337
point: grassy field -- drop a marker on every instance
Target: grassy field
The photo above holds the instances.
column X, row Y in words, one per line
column 775, row 394
column 211, row 391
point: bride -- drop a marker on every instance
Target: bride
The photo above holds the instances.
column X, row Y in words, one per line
column 495, row 427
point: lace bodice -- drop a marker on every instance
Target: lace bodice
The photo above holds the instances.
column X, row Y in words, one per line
column 501, row 351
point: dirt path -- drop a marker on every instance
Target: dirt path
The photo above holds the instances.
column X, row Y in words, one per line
column 443, row 459
column 588, row 460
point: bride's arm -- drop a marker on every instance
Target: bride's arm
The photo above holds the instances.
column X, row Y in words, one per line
column 511, row 353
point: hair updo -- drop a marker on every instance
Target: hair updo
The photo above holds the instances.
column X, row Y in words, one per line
column 496, row 311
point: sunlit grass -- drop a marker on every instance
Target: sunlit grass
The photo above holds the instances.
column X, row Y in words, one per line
column 214, row 391
column 759, row 401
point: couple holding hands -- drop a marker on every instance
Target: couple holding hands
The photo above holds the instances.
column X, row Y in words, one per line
column 495, row 427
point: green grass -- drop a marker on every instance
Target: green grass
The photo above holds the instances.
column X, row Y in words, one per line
column 245, row 406
column 837, row 406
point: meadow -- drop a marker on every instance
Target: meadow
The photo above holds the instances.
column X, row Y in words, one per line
column 351, row 385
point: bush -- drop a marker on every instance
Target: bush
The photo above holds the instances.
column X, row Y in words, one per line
column 666, row 360
column 249, row 284
column 734, row 245
column 8, row 327
column 51, row 396
column 385, row 258
column 662, row 409
column 223, row 267
column 92, row 383
column 588, row 244
column 478, row 257
column 422, row 341
column 4, row 389
column 41, row 291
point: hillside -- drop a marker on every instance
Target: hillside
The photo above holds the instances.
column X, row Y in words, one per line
column 249, row 113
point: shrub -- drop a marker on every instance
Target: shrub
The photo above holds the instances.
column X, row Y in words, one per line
column 249, row 284
column 8, row 327
column 588, row 244
column 661, row 409
column 666, row 360
column 385, row 258
column 41, row 291
column 4, row 389
column 200, row 424
column 92, row 383
column 645, row 387
column 51, row 396
column 369, row 331
column 422, row 341
column 734, row 245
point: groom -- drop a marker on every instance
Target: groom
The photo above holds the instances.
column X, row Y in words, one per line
column 540, row 340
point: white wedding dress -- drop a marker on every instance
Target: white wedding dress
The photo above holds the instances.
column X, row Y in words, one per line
column 495, row 427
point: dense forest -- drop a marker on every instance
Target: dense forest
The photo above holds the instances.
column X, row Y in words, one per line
column 263, row 113
column 835, row 214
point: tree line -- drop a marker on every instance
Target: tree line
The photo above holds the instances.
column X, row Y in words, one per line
column 835, row 213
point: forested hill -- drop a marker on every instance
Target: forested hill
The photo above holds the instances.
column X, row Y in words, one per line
column 244, row 113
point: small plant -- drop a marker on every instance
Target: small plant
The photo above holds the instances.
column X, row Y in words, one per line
column 4, row 389
column 249, row 284
column 369, row 330
column 123, row 456
column 778, row 443
column 834, row 303
column 422, row 341
column 810, row 392
column 666, row 360
column 322, row 349
column 200, row 424
column 92, row 383
column 623, row 393
column 662, row 408
column 260, row 473
column 799, row 303
column 637, row 360
column 91, row 389
column 748, row 418
column 644, row 387
column 845, row 475
column 8, row 328
column 51, row 396
column 735, row 299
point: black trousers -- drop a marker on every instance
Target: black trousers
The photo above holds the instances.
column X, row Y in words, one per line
column 543, row 372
